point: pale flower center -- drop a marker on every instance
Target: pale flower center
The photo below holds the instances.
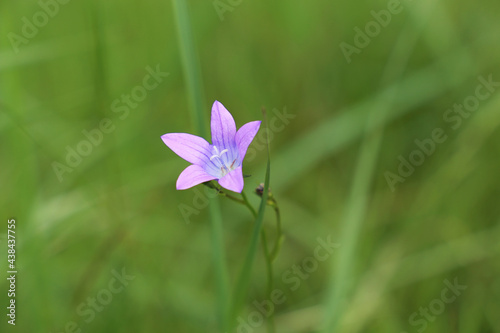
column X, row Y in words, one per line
column 224, row 168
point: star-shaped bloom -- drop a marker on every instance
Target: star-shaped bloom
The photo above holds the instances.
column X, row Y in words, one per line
column 221, row 160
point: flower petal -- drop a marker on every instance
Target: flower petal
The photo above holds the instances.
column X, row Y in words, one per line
column 245, row 135
column 191, row 176
column 233, row 181
column 222, row 126
column 190, row 147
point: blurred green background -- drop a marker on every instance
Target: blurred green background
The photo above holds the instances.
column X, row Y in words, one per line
column 116, row 210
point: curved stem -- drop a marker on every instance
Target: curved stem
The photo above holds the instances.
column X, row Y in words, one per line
column 247, row 203
column 279, row 234
column 229, row 196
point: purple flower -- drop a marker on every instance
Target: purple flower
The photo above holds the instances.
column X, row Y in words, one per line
column 221, row 160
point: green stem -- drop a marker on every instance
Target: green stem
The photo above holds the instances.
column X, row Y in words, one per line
column 270, row 284
column 218, row 258
column 191, row 66
column 194, row 87
column 230, row 197
column 243, row 281
column 279, row 234
column 247, row 203
column 269, row 262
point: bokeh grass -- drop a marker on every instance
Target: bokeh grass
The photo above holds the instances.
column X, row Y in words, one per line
column 119, row 208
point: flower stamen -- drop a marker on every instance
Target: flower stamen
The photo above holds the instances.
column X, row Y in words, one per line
column 217, row 154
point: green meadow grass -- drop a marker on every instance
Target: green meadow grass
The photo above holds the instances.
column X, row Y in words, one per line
column 336, row 129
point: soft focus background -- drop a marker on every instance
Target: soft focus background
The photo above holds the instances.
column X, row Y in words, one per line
column 342, row 125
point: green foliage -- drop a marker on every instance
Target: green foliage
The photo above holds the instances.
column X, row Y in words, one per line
column 336, row 130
